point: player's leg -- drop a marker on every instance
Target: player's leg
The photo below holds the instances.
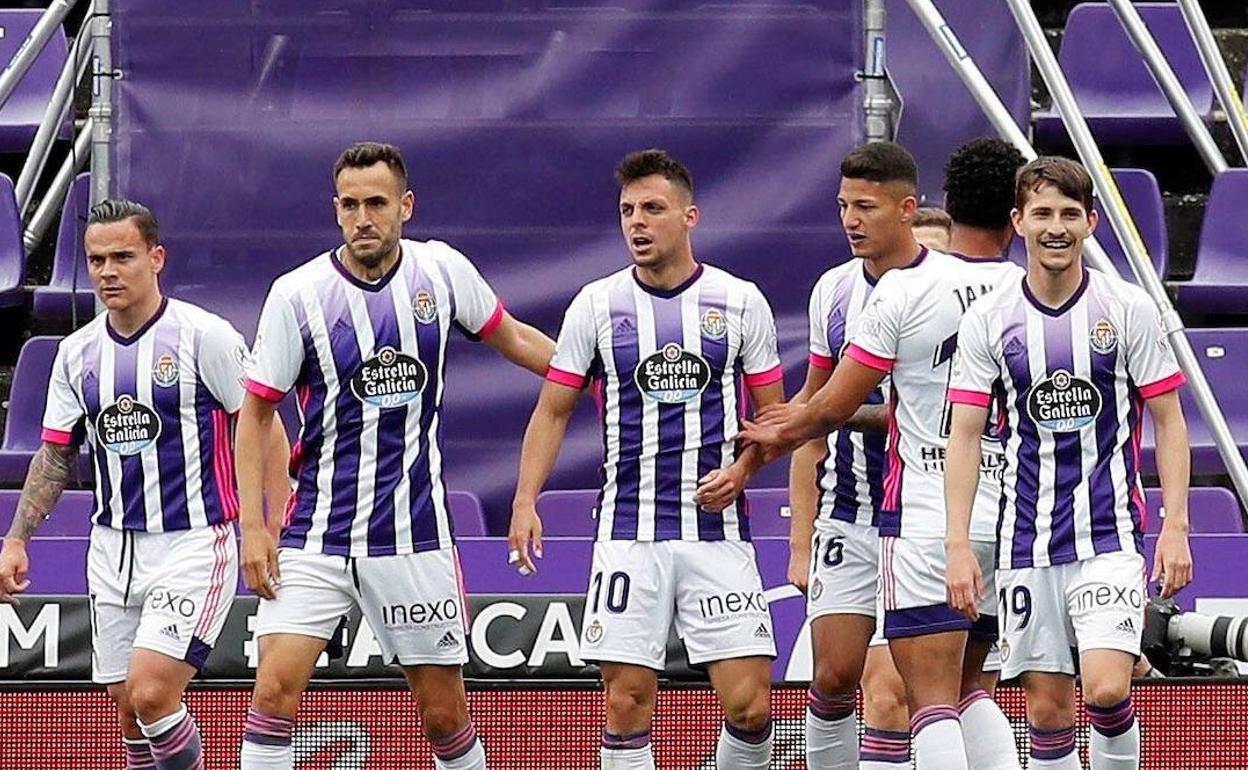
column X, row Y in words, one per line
column 886, row 742
column 138, row 751
column 841, row 603
column 154, row 688
column 443, row 704
column 722, row 616
column 630, row 693
column 293, row 630
column 1051, row 717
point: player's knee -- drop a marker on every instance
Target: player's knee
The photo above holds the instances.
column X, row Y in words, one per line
column 1105, row 692
column 883, row 704
column 442, row 719
column 832, row 680
column 151, row 699
column 270, row 696
column 1050, row 713
column 628, row 704
column 750, row 711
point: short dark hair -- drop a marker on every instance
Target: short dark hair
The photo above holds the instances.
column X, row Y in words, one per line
column 881, row 162
column 643, row 163
column 930, row 216
column 365, row 154
column 979, row 183
column 112, row 210
column 1070, row 178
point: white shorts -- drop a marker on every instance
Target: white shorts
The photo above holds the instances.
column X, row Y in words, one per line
column 164, row 591
column 413, row 603
column 1094, row 604
column 916, row 602
column 712, row 590
column 844, row 569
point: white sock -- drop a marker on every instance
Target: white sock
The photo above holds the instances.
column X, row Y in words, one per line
column 1115, row 740
column 885, row 749
column 257, row 756
column 831, row 745
column 266, row 742
column 741, row 750
column 1068, row 762
column 937, row 740
column 165, row 723
column 987, row 733
column 473, row 759
column 1053, row 750
column 626, row 752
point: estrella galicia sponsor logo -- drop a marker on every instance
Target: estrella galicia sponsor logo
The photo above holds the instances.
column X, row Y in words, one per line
column 424, row 307
column 1104, row 337
column 389, row 379
column 672, row 375
column 732, row 603
column 420, row 613
column 1063, row 403
column 714, row 326
column 127, row 427
column 1094, row 597
column 165, row 370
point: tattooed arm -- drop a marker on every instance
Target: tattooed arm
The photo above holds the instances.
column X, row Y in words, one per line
column 45, row 480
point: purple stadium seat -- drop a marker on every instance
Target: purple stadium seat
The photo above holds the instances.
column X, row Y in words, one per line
column 1211, row 510
column 467, row 514
column 24, row 110
column 12, row 253
column 22, row 424
column 54, row 302
column 769, row 512
column 1220, row 284
column 70, row 518
column 1111, row 82
column 568, row 512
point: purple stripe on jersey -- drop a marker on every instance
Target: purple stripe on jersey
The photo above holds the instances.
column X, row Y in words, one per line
column 134, row 507
column 391, row 431
column 1131, row 456
column 624, row 351
column 205, row 403
column 1101, row 483
column 1027, row 474
column 90, row 385
column 1067, row 447
column 348, row 413
column 738, row 378
column 170, row 460
column 311, row 391
column 668, row 478
column 711, row 415
column 844, row 486
column 424, row 519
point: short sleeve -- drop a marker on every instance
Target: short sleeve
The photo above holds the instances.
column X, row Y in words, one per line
column 760, row 355
column 277, row 354
column 820, row 354
column 974, row 370
column 477, row 308
column 1151, row 363
column 64, row 410
column 577, row 346
column 222, row 358
column 876, row 338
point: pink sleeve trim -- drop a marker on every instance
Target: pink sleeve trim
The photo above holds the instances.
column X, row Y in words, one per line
column 820, row 362
column 495, row 319
column 969, row 397
column 1163, row 386
column 560, row 377
column 58, row 437
column 774, row 374
column 264, row 391
column 867, row 358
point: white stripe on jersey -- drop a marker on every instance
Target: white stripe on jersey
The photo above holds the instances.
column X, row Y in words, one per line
column 195, row 506
column 364, row 486
column 319, row 335
column 151, row 469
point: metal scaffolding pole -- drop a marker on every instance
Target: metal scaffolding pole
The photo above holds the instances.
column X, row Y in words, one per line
column 1219, row 75
column 36, row 41
column 878, row 102
column 1163, row 73
column 1090, row 154
column 55, row 196
column 101, row 103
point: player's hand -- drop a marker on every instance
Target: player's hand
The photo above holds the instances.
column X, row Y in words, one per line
column 259, row 558
column 964, row 583
column 799, row 566
column 14, row 564
column 720, row 488
column 524, row 541
column 1172, row 561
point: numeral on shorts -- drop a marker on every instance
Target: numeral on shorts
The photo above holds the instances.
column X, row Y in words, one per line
column 833, row 552
column 1019, row 604
column 617, row 591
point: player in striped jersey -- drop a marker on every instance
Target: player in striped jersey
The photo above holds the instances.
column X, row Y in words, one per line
column 670, row 341
column 152, row 384
column 1074, row 355
column 360, row 334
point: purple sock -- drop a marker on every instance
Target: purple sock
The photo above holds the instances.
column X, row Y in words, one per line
column 138, row 754
column 265, row 730
column 831, row 708
column 625, row 741
column 1112, row 720
column 1052, row 744
column 178, row 747
column 754, row 737
column 885, row 746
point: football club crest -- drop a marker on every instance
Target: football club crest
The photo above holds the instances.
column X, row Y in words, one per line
column 713, row 325
column 424, row 307
column 165, row 370
column 593, row 632
column 1104, row 337
column 816, row 589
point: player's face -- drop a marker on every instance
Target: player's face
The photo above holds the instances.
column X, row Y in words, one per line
column 876, row 216
column 656, row 217
column 933, row 237
column 1054, row 226
column 372, row 206
column 122, row 267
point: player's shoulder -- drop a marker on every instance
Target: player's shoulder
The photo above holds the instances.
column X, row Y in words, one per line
column 80, row 337
column 311, row 272
column 602, row 287
column 190, row 314
column 436, row 250
column 730, row 281
column 835, row 275
column 1117, row 292
column 1005, row 296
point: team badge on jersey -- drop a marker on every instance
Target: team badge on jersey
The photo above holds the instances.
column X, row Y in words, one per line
column 672, row 375
column 593, row 632
column 1104, row 337
column 165, row 370
column 389, row 379
column 424, row 307
column 713, row 325
column 1063, row 403
column 816, row 589
column 127, row 427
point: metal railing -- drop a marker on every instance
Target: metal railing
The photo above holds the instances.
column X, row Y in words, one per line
column 1219, row 75
column 36, row 41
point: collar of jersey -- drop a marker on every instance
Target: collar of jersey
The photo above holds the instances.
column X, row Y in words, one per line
column 872, row 280
column 675, row 290
column 1067, row 305
column 121, row 339
column 365, row 285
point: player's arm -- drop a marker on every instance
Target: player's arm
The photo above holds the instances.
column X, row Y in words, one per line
column 521, row 344
column 253, row 441
column 803, row 488
column 276, row 477
column 869, row 418
column 46, row 478
column 964, row 582
column 1173, row 559
column 542, row 440
column 718, row 489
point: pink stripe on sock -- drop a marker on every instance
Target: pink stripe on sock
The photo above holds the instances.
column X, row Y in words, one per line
column 930, row 715
column 971, row 698
column 139, row 755
column 455, row 746
column 264, row 724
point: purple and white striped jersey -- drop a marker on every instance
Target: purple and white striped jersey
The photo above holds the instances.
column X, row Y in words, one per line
column 1073, row 381
column 367, row 361
column 851, row 477
column 157, row 409
column 910, row 330
column 671, row 364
